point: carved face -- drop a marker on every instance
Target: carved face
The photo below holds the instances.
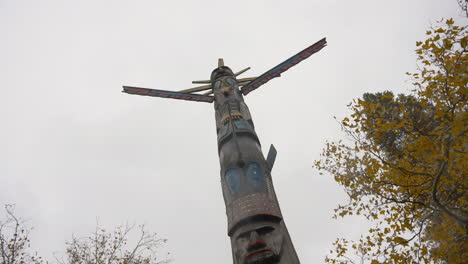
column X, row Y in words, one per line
column 225, row 85
column 259, row 242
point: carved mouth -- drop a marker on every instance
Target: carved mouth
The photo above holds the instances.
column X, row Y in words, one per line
column 264, row 252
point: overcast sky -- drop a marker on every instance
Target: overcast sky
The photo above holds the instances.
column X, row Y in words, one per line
column 74, row 149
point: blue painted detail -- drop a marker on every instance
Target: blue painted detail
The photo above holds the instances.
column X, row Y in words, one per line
column 242, row 124
column 283, row 65
column 217, row 84
column 231, row 81
column 254, row 175
column 232, row 177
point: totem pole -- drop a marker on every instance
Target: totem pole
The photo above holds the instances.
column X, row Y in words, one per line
column 255, row 224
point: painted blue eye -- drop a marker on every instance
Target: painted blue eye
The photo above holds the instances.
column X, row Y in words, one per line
column 217, row 84
column 231, row 81
column 233, row 180
column 254, row 175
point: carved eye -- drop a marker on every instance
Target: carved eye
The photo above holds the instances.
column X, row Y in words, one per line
column 217, row 84
column 233, row 180
column 254, row 174
column 231, row 81
column 265, row 230
column 244, row 235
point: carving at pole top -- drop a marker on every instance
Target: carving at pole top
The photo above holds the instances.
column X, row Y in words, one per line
column 228, row 99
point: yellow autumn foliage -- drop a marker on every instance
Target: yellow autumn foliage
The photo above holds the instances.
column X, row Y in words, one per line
column 406, row 164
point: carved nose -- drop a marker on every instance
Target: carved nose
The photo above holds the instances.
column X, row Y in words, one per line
column 253, row 236
column 255, row 242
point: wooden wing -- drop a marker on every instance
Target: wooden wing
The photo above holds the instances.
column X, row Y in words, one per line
column 284, row 66
column 168, row 94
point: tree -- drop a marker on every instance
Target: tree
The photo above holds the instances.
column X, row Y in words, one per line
column 404, row 166
column 100, row 248
column 14, row 240
column 463, row 6
column 104, row 247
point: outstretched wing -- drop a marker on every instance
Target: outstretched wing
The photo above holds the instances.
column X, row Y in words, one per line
column 168, row 94
column 284, row 66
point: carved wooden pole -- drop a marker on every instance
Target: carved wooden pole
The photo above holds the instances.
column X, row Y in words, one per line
column 255, row 223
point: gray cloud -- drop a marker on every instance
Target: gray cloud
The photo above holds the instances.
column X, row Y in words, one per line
column 73, row 147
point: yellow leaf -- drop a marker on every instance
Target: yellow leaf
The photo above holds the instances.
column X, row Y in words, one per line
column 400, row 240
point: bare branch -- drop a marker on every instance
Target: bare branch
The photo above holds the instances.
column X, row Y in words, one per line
column 111, row 248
